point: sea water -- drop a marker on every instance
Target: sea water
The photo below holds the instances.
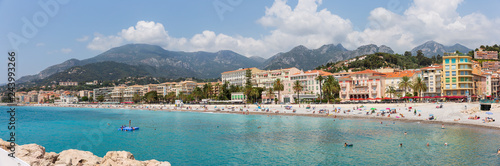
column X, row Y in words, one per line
column 190, row 138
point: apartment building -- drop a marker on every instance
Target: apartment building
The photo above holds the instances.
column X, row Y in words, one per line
column 105, row 92
column 185, row 87
column 310, row 86
column 485, row 54
column 366, row 84
column 237, row 77
column 394, row 78
column 266, row 78
column 457, row 77
column 491, row 65
column 431, row 76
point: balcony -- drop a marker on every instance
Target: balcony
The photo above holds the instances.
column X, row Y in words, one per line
column 360, row 85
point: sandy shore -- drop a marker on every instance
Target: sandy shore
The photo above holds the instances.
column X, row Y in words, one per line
column 451, row 113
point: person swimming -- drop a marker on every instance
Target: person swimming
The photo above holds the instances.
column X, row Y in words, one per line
column 446, row 144
column 346, row 145
column 405, row 133
column 428, row 144
column 401, row 145
column 498, row 151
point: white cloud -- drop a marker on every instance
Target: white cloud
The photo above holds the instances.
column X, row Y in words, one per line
column 66, row 50
column 83, row 39
column 103, row 43
column 304, row 24
column 40, row 44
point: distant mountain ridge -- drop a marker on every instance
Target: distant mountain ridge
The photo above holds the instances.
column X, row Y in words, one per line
column 303, row 58
column 164, row 63
column 159, row 62
column 432, row 48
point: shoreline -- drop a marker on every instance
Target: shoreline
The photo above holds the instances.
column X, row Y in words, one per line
column 443, row 115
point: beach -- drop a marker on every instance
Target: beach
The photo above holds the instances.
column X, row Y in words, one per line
column 450, row 113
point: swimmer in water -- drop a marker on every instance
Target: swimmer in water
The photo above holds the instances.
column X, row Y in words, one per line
column 405, row 133
column 428, row 144
column 442, row 126
column 446, row 144
column 401, row 145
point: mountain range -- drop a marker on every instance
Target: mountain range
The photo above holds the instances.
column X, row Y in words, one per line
column 432, row 48
column 155, row 61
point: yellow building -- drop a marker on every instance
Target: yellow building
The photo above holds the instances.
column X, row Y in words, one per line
column 457, row 77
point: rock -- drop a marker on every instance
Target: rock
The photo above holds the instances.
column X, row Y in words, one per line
column 115, row 158
column 77, row 157
column 51, row 157
column 5, row 145
column 32, row 154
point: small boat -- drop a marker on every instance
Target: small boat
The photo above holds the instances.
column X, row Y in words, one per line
column 128, row 128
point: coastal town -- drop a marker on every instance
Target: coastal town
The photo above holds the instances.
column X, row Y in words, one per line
column 458, row 78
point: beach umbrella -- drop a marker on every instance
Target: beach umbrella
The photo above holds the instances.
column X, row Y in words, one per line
column 405, row 97
column 359, row 109
column 489, row 113
column 419, row 110
column 426, row 97
column 387, row 98
column 378, row 98
column 373, row 108
column 431, row 114
column 387, row 108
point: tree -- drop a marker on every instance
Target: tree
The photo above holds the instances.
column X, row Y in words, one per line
column 297, row 87
column 331, row 88
column 270, row 93
column 85, row 98
column 197, row 93
column 407, row 54
column 136, row 98
column 151, row 96
column 248, row 83
column 91, row 99
column 209, row 90
column 278, row 86
column 391, row 90
column 170, row 97
column 255, row 93
column 320, row 80
column 224, row 92
column 419, row 86
column 405, row 83
column 100, row 98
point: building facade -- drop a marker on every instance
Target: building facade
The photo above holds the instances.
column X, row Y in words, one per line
column 393, row 80
column 310, row 86
column 237, row 77
column 362, row 85
column 457, row 77
column 485, row 54
column 432, row 78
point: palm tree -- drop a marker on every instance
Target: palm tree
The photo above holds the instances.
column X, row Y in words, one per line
column 419, row 86
column 270, row 92
column 278, row 86
column 297, row 87
column 331, row 87
column 209, row 90
column 405, row 83
column 391, row 90
column 254, row 92
column 320, row 80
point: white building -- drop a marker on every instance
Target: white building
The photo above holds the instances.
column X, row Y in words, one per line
column 237, row 77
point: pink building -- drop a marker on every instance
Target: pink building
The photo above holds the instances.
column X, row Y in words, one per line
column 366, row 84
column 485, row 54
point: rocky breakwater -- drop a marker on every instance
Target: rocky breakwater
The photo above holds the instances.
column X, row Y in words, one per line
column 35, row 155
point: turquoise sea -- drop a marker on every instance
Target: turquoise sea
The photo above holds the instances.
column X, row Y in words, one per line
column 188, row 138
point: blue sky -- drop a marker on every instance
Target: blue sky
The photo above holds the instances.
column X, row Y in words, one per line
column 83, row 29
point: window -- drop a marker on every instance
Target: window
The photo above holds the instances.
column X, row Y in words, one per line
column 447, row 67
column 453, row 60
column 454, row 86
column 431, row 89
column 453, row 67
column 453, row 73
column 447, row 74
column 454, row 92
column 447, row 86
column 461, row 59
column 447, row 80
column 447, row 61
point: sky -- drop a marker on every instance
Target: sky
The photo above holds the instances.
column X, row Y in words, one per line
column 48, row 32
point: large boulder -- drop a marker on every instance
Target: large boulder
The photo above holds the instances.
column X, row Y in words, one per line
column 32, row 154
column 77, row 157
column 5, row 145
column 115, row 158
